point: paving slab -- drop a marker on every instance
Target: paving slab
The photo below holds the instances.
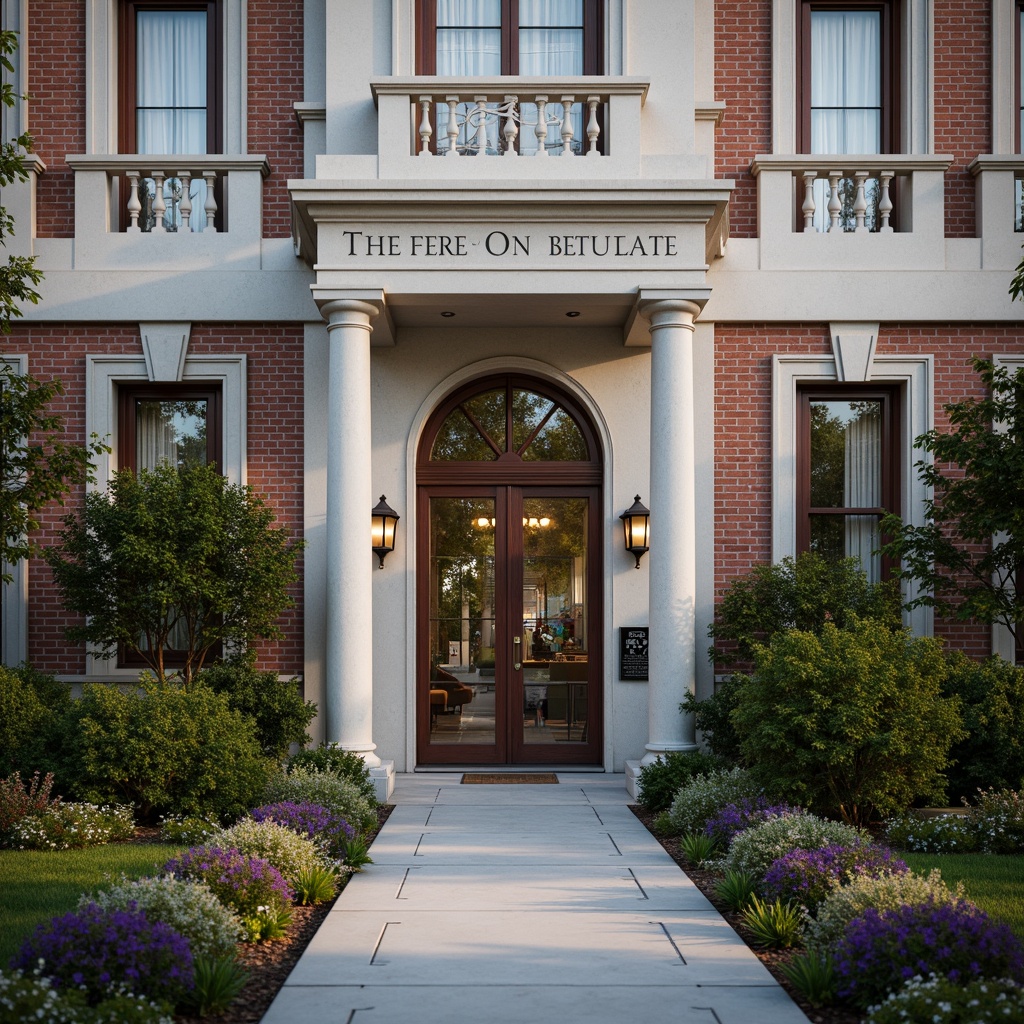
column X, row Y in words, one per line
column 524, row 904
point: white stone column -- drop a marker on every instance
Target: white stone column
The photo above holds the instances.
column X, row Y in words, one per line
column 349, row 619
column 673, row 584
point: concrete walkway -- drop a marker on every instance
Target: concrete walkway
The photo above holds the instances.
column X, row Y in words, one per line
column 524, row 904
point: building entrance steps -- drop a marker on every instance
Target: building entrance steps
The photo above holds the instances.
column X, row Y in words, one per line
column 518, row 904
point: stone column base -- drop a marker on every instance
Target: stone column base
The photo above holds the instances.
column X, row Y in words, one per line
column 633, row 778
column 383, row 779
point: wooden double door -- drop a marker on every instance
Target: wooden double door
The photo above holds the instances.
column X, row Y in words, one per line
column 509, row 618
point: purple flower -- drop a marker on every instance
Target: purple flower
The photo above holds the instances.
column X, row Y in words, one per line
column 745, row 813
column 959, row 942
column 94, row 948
column 310, row 820
column 242, row 883
column 808, row 876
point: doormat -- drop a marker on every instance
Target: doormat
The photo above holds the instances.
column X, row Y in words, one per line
column 509, row 778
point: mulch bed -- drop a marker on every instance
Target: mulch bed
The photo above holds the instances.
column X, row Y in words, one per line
column 268, row 963
column 773, row 959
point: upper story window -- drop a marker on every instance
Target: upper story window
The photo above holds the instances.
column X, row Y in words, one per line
column 847, row 77
column 170, row 93
column 177, row 424
column 509, row 37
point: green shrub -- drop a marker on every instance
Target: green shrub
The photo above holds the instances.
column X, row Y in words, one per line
column 31, row 709
column 701, row 799
column 883, row 892
column 187, row 829
column 316, row 885
column 813, row 975
column 997, row 818
column 325, row 788
column 775, row 925
column 940, row 1001
column 992, row 752
column 218, row 981
column 72, row 826
column 188, row 906
column 849, row 722
column 661, row 779
column 168, row 749
column 286, row 850
column 735, row 888
column 803, row 593
column 345, row 763
column 754, row 849
column 942, row 833
column 713, row 718
column 275, row 705
column 698, row 847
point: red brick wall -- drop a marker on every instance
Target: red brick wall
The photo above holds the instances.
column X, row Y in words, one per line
column 274, row 446
column 743, row 452
column 275, row 83
column 963, row 101
column 743, row 80
column 56, row 85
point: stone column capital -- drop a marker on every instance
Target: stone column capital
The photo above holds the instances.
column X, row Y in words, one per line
column 669, row 312
column 348, row 312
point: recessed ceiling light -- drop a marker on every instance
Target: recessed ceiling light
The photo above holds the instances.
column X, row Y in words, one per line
column 447, row 312
column 573, row 312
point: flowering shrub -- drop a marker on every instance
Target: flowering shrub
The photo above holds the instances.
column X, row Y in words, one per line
column 324, row 827
column 998, row 820
column 696, row 803
column 744, row 813
column 883, row 949
column 754, row 849
column 187, row 829
column 245, row 884
column 945, row 833
column 71, row 826
column 883, row 892
column 18, row 799
column 307, row 785
column 188, row 906
column 939, row 1001
column 808, row 876
column 287, row 851
column 32, row 997
column 96, row 949
column 345, row 763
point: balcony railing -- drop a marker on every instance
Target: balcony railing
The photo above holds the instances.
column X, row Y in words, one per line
column 999, row 191
column 167, row 194
column 545, row 120
column 816, row 210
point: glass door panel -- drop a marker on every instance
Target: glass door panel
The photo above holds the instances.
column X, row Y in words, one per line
column 556, row 651
column 463, row 628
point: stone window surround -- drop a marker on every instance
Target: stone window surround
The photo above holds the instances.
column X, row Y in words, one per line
column 101, row 76
column 105, row 372
column 1002, row 641
column 853, row 347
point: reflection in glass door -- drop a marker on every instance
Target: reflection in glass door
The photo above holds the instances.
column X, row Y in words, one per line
column 555, row 629
column 463, row 631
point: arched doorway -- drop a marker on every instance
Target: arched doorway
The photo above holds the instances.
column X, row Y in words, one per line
column 509, row 618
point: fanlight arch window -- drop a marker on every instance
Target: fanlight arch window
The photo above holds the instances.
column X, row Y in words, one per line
column 509, row 426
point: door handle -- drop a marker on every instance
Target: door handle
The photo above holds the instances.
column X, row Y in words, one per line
column 516, row 662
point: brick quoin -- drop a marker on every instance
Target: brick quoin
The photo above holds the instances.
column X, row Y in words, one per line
column 274, row 454
column 56, row 109
column 743, row 431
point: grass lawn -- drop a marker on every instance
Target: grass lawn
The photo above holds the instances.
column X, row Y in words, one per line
column 36, row 885
column 992, row 881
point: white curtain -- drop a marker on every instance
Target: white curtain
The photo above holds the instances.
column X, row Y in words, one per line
column 846, row 97
column 171, row 100
column 862, row 487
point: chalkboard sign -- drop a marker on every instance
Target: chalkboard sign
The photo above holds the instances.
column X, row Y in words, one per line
column 633, row 653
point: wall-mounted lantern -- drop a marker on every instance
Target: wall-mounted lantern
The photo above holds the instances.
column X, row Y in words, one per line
column 384, row 523
column 636, row 523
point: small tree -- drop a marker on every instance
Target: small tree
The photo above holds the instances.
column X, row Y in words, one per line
column 849, row 722
column 169, row 553
column 36, row 465
column 968, row 556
